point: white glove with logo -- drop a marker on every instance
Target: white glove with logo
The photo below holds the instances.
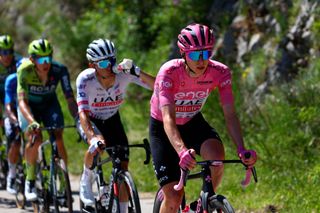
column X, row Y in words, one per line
column 127, row 66
column 94, row 145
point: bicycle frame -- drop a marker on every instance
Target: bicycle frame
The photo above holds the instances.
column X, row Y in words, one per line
column 207, row 191
column 113, row 190
column 54, row 158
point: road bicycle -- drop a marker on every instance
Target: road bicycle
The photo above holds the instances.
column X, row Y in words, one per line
column 107, row 195
column 52, row 179
column 208, row 200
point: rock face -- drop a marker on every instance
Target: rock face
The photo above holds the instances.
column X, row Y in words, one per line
column 294, row 49
column 249, row 32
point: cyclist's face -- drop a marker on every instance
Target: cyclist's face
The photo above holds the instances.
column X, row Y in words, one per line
column 42, row 63
column 103, row 68
column 6, row 57
column 198, row 61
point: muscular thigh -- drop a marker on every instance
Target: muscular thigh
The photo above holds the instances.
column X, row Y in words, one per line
column 114, row 134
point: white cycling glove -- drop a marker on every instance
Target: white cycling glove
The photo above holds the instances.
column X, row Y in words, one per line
column 127, row 66
column 94, row 145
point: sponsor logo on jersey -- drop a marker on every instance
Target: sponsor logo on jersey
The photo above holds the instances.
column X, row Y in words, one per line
column 192, row 95
column 82, row 86
column 187, row 108
column 103, row 104
column 82, row 94
column 204, row 82
column 225, row 83
column 108, row 99
column 41, row 89
column 165, row 84
column 65, row 81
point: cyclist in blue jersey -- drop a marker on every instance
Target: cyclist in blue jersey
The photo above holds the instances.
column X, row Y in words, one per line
column 11, row 129
column 37, row 80
column 8, row 65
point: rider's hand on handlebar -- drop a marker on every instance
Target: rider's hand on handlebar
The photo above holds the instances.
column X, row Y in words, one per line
column 127, row 66
column 33, row 126
column 187, row 159
column 96, row 145
column 248, row 157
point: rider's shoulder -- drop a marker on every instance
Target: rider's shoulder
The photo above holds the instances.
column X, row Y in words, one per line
column 171, row 66
column 25, row 66
column 87, row 75
column 218, row 66
column 58, row 67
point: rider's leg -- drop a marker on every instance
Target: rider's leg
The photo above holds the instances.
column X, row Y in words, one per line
column 212, row 149
column 13, row 157
column 31, row 155
column 86, row 194
column 172, row 198
column 61, row 148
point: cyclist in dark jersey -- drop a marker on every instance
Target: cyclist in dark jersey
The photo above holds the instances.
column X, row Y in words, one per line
column 177, row 128
column 101, row 91
column 38, row 79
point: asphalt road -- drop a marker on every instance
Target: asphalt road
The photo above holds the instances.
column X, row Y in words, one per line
column 8, row 205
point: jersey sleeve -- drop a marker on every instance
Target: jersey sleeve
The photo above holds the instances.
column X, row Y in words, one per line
column 9, row 89
column 225, row 88
column 164, row 87
column 65, row 82
column 22, row 90
column 138, row 81
column 82, row 96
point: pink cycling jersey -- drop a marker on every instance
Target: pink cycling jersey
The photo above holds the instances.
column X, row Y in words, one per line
column 173, row 85
column 102, row 103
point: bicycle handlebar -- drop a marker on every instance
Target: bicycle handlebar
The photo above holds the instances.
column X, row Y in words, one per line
column 249, row 171
column 50, row 128
column 145, row 145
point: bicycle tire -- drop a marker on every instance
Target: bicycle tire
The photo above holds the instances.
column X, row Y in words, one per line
column 219, row 203
column 19, row 185
column 42, row 204
column 61, row 180
column 131, row 190
column 3, row 170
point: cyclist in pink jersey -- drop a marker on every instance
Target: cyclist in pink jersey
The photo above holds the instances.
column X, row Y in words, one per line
column 178, row 130
column 100, row 92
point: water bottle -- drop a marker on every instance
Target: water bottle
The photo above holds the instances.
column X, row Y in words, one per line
column 104, row 195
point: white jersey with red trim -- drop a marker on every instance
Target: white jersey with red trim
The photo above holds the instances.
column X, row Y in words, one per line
column 102, row 103
column 173, row 85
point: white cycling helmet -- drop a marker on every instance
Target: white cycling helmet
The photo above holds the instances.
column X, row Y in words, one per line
column 100, row 49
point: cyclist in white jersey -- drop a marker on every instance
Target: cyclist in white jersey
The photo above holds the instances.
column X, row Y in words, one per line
column 101, row 91
column 177, row 128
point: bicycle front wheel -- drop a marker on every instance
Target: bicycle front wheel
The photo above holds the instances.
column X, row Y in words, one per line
column 3, row 167
column 61, row 187
column 219, row 203
column 129, row 192
column 19, row 184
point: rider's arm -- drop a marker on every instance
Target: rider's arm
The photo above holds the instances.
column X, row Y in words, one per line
column 68, row 92
column 86, row 125
column 72, row 105
column 148, row 79
column 233, row 126
column 170, row 127
column 25, row 110
column 10, row 112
